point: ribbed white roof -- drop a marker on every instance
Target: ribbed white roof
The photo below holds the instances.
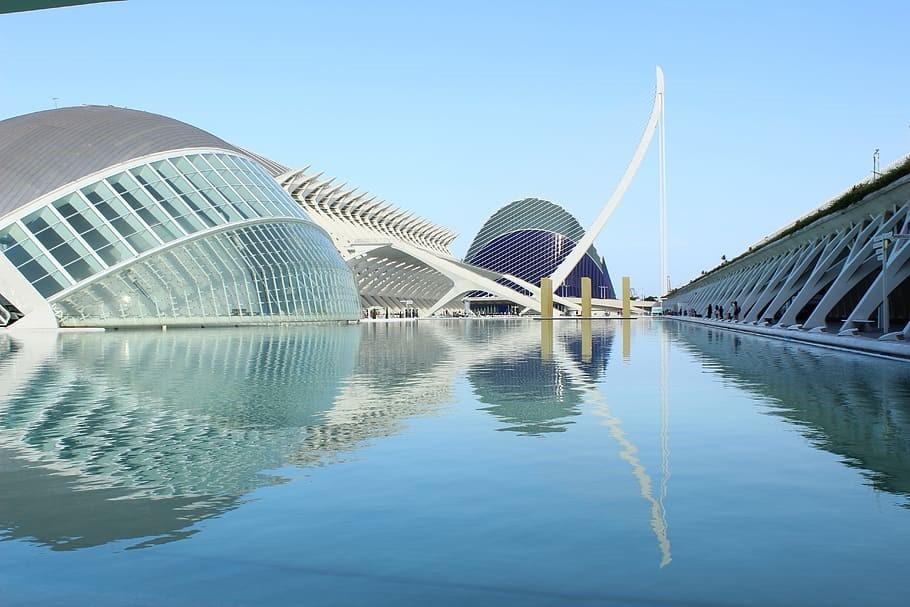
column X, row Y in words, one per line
column 42, row 151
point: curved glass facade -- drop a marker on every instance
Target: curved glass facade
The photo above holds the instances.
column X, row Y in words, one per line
column 265, row 272
column 529, row 239
column 88, row 251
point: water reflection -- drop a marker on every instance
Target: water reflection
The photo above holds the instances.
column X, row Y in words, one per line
column 182, row 423
column 185, row 423
column 857, row 407
column 527, row 385
column 141, row 435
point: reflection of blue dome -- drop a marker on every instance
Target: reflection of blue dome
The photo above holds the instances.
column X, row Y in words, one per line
column 533, row 396
column 529, row 239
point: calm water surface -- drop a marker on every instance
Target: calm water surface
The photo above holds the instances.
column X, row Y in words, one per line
column 451, row 463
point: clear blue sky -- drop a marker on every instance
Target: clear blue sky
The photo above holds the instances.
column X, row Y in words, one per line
column 454, row 109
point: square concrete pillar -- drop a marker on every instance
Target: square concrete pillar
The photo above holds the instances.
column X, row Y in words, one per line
column 546, row 298
column 626, row 297
column 585, row 297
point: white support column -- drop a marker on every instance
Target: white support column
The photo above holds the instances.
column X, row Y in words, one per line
column 855, row 268
column 795, row 281
column 816, row 281
column 770, row 270
column 770, row 289
column 37, row 312
column 897, row 271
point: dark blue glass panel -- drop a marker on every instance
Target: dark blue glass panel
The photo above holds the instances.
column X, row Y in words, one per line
column 534, row 254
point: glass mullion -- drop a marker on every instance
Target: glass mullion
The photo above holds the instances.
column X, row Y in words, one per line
column 145, row 206
column 227, row 191
column 181, row 188
column 170, row 201
column 124, row 221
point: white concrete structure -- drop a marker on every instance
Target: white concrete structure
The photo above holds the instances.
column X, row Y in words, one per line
column 821, row 276
column 403, row 261
column 111, row 217
column 655, row 119
column 399, row 259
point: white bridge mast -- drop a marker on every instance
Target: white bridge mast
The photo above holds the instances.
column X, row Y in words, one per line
column 662, row 196
column 657, row 116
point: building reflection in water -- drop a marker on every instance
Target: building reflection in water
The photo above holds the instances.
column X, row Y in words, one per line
column 522, row 382
column 139, row 435
column 857, row 407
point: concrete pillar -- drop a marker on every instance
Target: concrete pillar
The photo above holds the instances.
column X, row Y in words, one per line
column 546, row 298
column 626, row 297
column 585, row 297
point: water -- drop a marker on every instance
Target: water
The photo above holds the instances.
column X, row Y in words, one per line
column 451, row 463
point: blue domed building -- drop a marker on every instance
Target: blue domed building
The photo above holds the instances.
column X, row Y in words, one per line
column 529, row 239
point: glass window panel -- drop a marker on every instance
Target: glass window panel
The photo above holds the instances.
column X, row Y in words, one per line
column 265, row 209
column 120, row 218
column 98, row 192
column 66, row 253
column 200, row 163
column 231, row 162
column 75, row 254
column 11, row 236
column 52, row 237
column 97, row 239
column 231, row 195
column 49, row 285
column 82, row 268
column 174, row 206
column 80, row 223
column 36, row 268
column 194, row 199
column 166, row 169
column 185, row 189
column 40, row 223
column 214, row 199
column 216, row 161
column 184, row 165
column 145, row 175
column 145, row 207
column 114, row 253
column 17, row 255
column 70, row 205
column 189, row 222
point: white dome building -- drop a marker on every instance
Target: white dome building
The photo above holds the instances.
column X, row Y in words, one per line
column 112, row 217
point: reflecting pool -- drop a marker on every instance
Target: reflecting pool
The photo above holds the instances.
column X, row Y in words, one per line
column 492, row 462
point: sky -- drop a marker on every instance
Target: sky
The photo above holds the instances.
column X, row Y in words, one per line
column 453, row 110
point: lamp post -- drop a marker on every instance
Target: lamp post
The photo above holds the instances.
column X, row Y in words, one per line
column 882, row 244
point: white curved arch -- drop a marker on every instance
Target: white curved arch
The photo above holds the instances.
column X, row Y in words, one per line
column 572, row 259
